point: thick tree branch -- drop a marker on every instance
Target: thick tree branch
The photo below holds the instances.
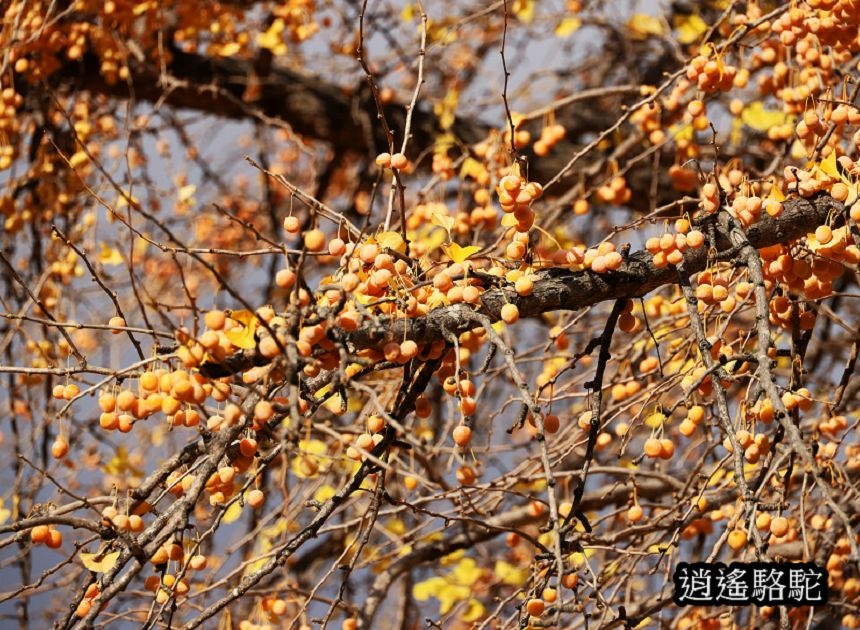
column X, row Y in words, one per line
column 562, row 289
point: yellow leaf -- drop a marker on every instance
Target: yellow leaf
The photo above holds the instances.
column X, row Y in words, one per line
column 446, row 109
column 451, row 594
column 472, row 168
column 110, row 256
column 5, row 513
column 829, row 167
column 458, row 254
column 324, row 493
column 186, row 192
column 690, row 28
column 272, row 39
column 642, row 26
column 510, row 574
column 567, row 26
column 93, row 563
column 243, row 336
column 776, row 192
column 474, row 611
column 761, row 119
column 229, row 49
column 524, row 10
column 78, row 159
column 392, row 240
column 408, row 13
column 442, row 220
column 232, row 513
column 120, row 464
column 312, row 452
column 679, row 132
column 467, row 572
column 424, row 590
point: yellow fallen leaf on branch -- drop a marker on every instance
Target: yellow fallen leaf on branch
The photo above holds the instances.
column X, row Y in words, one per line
column 243, row 336
column 99, row 563
column 392, row 240
column 458, row 254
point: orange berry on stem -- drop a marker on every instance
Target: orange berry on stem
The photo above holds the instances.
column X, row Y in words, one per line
column 292, row 224
column 462, row 435
column 255, row 498
column 39, row 534
column 116, row 322
column 653, row 447
column 535, row 607
column 315, row 240
column 60, row 447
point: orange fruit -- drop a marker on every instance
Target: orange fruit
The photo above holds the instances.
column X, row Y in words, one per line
column 315, row 240
column 292, row 224
column 55, row 539
column 510, row 313
column 737, row 539
column 39, row 534
column 255, row 498
column 60, row 447
column 462, row 435
column 653, row 447
column 535, row 607
column 116, row 322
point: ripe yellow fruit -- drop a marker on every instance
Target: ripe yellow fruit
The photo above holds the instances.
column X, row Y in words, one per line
column 315, row 240
column 292, row 224
column 462, row 435
column 60, row 447
column 635, row 513
column 653, row 447
column 524, row 286
column 779, row 526
column 255, row 498
column 737, row 539
column 116, row 322
column 510, row 313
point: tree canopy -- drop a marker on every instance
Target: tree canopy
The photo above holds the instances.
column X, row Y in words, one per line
column 402, row 315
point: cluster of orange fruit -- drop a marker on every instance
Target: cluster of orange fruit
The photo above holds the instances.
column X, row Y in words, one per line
column 668, row 249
